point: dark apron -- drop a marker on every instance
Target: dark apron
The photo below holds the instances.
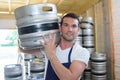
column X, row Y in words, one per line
column 50, row 74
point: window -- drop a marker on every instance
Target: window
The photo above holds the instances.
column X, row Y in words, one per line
column 8, row 38
column 8, row 48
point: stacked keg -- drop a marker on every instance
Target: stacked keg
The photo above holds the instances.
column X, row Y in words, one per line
column 98, row 65
column 28, row 58
column 37, row 68
column 87, row 26
column 96, row 69
column 79, row 37
column 13, row 72
column 34, row 66
column 35, row 20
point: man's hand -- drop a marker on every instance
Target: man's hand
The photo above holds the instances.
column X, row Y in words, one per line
column 49, row 45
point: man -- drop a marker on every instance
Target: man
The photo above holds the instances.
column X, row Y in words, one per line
column 68, row 59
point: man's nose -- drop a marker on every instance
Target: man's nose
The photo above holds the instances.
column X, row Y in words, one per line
column 70, row 28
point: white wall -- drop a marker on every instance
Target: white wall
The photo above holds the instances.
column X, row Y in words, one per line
column 7, row 23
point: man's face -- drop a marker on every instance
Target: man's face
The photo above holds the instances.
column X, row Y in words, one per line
column 69, row 28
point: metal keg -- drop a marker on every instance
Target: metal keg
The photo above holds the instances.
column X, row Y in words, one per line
column 37, row 67
column 87, row 75
column 35, row 20
column 88, row 43
column 98, row 63
column 88, row 31
column 28, row 57
column 86, row 25
column 91, row 49
column 87, row 22
column 98, row 56
column 37, row 70
column 37, row 75
column 88, row 66
column 98, row 77
column 98, row 67
column 87, row 72
column 88, row 38
column 79, row 37
column 13, row 72
column 33, row 13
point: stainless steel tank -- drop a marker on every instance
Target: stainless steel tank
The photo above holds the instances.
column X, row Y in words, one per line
column 98, row 57
column 98, row 77
column 13, row 72
column 98, row 63
column 35, row 20
column 88, row 36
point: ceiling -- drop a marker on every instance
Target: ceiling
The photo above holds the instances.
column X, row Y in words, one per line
column 7, row 7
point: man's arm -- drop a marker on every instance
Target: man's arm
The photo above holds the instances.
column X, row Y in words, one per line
column 76, row 68
column 73, row 73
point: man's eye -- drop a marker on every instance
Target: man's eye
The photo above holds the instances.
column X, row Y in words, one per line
column 74, row 26
column 65, row 24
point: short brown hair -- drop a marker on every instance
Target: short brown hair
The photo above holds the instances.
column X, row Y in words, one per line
column 72, row 15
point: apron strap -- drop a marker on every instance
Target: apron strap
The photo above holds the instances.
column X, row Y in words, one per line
column 69, row 55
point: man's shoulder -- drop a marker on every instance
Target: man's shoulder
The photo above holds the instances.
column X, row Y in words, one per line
column 79, row 48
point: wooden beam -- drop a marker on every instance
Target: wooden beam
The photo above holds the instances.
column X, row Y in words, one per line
column 89, row 4
column 109, row 39
column 95, row 23
column 59, row 2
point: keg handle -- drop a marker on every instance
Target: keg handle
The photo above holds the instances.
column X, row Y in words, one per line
column 48, row 8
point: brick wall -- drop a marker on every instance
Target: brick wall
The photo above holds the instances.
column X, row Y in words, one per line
column 116, row 34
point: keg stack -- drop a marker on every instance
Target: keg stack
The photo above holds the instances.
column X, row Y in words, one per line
column 13, row 72
column 79, row 37
column 34, row 67
column 37, row 68
column 87, row 27
column 33, row 21
column 98, row 65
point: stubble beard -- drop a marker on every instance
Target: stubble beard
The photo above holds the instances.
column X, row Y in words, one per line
column 68, row 39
